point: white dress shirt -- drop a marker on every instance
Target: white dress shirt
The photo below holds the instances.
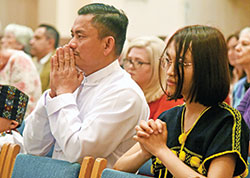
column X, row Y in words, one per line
column 14, row 137
column 39, row 64
column 98, row 119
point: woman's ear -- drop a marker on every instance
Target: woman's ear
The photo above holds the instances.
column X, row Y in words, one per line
column 13, row 124
column 109, row 45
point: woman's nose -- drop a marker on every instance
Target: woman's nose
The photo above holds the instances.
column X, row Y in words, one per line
column 238, row 47
column 170, row 69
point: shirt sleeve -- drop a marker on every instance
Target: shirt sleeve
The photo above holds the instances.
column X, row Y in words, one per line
column 104, row 127
column 8, row 138
column 244, row 107
column 232, row 137
column 37, row 136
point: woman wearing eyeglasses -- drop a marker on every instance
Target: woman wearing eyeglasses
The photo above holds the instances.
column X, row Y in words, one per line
column 205, row 137
column 142, row 63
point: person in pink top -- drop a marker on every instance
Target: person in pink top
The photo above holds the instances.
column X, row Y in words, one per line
column 142, row 63
column 18, row 70
column 16, row 66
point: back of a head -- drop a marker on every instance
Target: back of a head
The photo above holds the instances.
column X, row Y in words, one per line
column 13, row 103
column 51, row 32
column 23, row 34
column 209, row 52
column 109, row 21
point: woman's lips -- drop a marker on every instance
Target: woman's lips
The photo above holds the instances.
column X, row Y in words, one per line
column 170, row 82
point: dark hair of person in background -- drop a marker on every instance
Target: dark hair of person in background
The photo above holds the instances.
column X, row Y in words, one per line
column 208, row 48
column 109, row 21
column 51, row 32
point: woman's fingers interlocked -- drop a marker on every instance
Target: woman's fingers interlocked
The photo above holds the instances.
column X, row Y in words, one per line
column 140, row 132
column 146, row 128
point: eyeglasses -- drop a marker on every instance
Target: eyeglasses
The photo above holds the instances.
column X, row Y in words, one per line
column 135, row 63
column 166, row 63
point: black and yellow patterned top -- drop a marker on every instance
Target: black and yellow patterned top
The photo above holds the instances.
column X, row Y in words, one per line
column 218, row 130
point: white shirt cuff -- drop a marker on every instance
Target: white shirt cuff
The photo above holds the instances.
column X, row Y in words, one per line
column 58, row 102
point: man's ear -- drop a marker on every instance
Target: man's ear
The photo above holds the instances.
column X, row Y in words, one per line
column 51, row 42
column 13, row 124
column 109, row 45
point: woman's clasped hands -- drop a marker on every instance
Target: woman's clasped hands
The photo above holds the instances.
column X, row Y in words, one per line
column 152, row 136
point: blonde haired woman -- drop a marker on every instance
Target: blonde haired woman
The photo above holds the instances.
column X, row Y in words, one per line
column 142, row 63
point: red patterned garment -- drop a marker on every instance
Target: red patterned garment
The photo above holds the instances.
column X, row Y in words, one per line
column 159, row 106
column 21, row 72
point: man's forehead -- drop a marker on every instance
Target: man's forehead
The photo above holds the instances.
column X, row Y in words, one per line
column 40, row 31
column 82, row 22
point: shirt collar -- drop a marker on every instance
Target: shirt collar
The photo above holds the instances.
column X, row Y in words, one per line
column 45, row 58
column 96, row 77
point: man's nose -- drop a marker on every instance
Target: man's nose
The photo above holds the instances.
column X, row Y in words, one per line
column 72, row 43
column 31, row 41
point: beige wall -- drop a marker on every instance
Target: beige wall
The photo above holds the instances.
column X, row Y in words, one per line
column 228, row 15
column 22, row 12
column 147, row 17
column 60, row 13
column 47, row 12
column 162, row 17
column 66, row 13
column 151, row 17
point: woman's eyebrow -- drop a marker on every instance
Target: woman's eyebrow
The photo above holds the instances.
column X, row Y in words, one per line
column 168, row 55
